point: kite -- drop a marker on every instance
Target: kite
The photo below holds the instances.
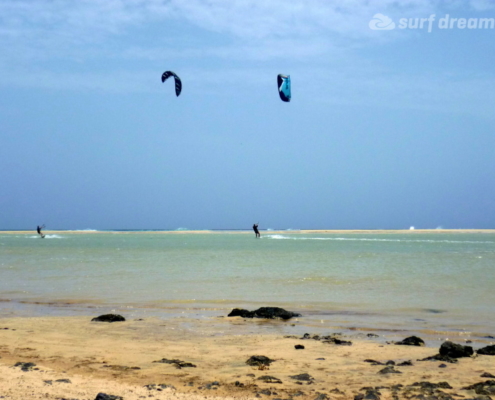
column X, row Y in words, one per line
column 283, row 83
column 178, row 83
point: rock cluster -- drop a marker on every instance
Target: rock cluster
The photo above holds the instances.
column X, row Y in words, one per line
column 109, row 318
column 264, row 312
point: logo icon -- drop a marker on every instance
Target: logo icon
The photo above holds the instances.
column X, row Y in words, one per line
column 381, row 22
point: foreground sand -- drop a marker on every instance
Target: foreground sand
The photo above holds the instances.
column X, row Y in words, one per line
column 118, row 359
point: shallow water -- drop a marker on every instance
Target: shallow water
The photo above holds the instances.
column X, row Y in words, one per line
column 431, row 282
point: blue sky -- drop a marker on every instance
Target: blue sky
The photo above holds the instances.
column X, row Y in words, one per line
column 387, row 128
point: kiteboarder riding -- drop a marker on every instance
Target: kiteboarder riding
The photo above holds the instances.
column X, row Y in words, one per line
column 38, row 229
column 256, row 232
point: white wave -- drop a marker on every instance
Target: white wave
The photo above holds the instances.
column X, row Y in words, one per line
column 279, row 237
column 45, row 237
column 375, row 239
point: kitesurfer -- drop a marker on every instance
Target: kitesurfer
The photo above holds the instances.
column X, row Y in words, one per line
column 256, row 232
column 38, row 229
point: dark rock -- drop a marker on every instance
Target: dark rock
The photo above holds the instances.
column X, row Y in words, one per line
column 177, row 363
column 487, row 375
column 411, row 341
column 210, row 386
column 165, row 386
column 25, row 366
column 454, row 350
column 390, row 362
column 299, row 347
column 487, row 351
column 321, row 396
column 439, row 357
column 120, row 367
column 442, row 366
column 373, row 362
column 264, row 312
column 240, row 312
column 430, row 386
column 63, row 380
column 257, row 361
column 302, row 377
column 269, row 379
column 109, row 318
column 161, row 386
column 372, row 394
column 486, row 388
column 103, row 396
column 266, row 392
column 389, row 370
column 334, row 340
column 407, row 363
column 372, row 335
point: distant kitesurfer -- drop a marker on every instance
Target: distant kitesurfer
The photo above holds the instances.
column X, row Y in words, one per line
column 38, row 229
column 256, row 232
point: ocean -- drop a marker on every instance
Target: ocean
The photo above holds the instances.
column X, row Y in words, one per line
column 435, row 283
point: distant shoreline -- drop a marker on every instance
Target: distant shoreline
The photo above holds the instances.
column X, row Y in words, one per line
column 249, row 231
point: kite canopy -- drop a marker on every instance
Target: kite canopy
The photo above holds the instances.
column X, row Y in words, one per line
column 178, row 83
column 283, row 82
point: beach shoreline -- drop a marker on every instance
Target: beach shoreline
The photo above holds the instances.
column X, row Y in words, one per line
column 248, row 231
column 122, row 358
column 175, row 293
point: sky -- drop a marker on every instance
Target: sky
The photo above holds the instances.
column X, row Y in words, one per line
column 391, row 124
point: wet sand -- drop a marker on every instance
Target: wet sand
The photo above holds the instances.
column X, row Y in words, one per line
column 76, row 358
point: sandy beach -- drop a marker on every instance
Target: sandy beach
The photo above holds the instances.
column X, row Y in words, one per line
column 76, row 358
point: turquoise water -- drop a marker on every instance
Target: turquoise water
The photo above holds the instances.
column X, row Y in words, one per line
column 412, row 281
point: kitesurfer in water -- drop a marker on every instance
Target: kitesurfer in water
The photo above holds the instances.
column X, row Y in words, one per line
column 38, row 229
column 256, row 232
